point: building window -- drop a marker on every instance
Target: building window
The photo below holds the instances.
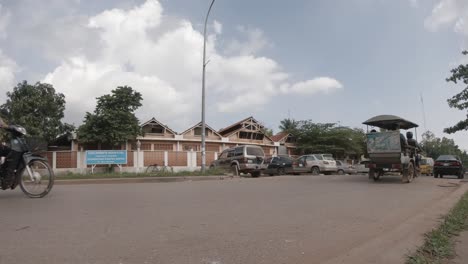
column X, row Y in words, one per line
column 245, row 135
column 197, row 131
column 157, row 129
column 154, row 129
column 250, row 135
column 145, row 146
column 291, row 139
column 163, row 147
column 191, row 147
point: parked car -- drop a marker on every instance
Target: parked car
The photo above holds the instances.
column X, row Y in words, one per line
column 241, row 159
column 426, row 165
column 344, row 167
column 316, row 164
column 278, row 165
column 448, row 165
column 361, row 167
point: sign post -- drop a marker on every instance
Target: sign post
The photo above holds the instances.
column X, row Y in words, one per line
column 96, row 157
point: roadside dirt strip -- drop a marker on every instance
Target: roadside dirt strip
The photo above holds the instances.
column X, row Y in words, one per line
column 392, row 246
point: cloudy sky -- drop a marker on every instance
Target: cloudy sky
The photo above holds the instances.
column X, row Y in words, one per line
column 325, row 60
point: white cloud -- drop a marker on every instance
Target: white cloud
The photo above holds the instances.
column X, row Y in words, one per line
column 255, row 41
column 446, row 13
column 218, row 27
column 8, row 68
column 321, row 84
column 135, row 48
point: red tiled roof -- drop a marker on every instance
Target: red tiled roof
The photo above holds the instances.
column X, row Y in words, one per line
column 279, row 136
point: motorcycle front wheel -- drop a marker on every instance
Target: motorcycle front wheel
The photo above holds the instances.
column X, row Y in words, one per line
column 37, row 179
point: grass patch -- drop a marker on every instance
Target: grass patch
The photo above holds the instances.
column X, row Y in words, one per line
column 439, row 244
column 109, row 175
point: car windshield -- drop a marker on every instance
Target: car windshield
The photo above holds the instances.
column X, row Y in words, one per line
column 252, row 151
column 446, row 157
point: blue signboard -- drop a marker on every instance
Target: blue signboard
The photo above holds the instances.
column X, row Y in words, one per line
column 94, row 157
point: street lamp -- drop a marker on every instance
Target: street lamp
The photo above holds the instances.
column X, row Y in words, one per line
column 203, row 149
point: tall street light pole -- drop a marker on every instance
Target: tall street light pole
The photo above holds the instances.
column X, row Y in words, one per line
column 203, row 147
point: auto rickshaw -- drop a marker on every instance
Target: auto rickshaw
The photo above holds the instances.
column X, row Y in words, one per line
column 426, row 165
column 388, row 149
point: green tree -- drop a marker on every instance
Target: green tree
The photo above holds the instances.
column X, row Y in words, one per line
column 288, row 125
column 434, row 147
column 267, row 131
column 329, row 138
column 460, row 100
column 113, row 121
column 38, row 108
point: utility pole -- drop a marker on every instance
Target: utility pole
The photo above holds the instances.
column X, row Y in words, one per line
column 203, row 146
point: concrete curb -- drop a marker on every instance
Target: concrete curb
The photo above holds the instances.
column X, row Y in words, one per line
column 143, row 179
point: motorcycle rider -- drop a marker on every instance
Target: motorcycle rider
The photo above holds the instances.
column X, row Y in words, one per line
column 8, row 168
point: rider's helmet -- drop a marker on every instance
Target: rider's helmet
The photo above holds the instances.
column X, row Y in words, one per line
column 409, row 134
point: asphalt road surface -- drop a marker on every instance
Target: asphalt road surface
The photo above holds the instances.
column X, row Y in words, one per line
column 289, row 219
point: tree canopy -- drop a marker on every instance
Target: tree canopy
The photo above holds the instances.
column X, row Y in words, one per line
column 434, row 147
column 460, row 100
column 328, row 138
column 288, row 125
column 38, row 108
column 113, row 121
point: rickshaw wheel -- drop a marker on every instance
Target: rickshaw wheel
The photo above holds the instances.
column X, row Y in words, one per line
column 373, row 175
column 408, row 174
column 378, row 175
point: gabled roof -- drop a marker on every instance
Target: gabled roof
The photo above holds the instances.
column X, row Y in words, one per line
column 154, row 121
column 199, row 124
column 280, row 136
column 228, row 131
column 232, row 127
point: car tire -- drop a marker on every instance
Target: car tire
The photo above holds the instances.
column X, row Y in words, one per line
column 315, row 170
column 281, row 171
column 235, row 170
column 435, row 175
column 255, row 174
column 340, row 172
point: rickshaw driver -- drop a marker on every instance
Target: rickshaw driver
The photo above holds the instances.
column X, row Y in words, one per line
column 412, row 142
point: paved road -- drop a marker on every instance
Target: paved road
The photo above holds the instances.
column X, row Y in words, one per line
column 290, row 219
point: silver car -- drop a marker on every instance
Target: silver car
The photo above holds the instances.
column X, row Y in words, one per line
column 316, row 164
column 344, row 167
column 361, row 167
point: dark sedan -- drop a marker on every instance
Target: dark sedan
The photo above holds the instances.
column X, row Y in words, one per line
column 448, row 165
column 278, row 165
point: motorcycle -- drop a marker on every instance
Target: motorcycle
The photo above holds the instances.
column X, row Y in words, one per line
column 33, row 173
